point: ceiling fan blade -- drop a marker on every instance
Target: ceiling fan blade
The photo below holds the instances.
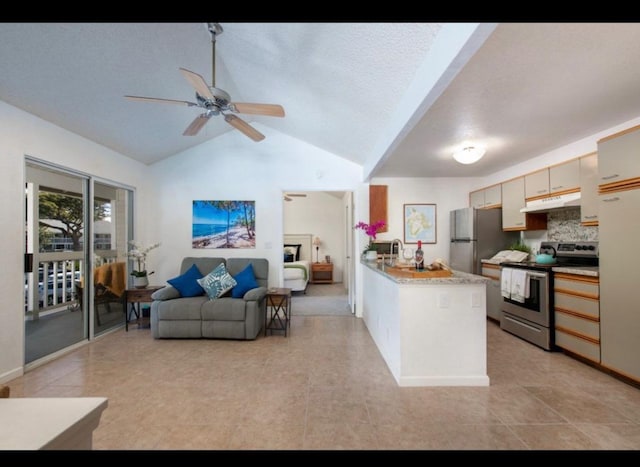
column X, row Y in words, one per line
column 302, row 195
column 198, row 83
column 244, row 127
column 286, row 198
column 272, row 110
column 157, row 99
column 196, row 125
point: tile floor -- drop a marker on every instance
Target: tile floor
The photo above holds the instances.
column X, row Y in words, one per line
column 326, row 387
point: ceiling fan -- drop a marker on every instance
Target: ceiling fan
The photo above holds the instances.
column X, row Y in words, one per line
column 215, row 101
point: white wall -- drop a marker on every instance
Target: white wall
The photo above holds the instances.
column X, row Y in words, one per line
column 446, row 193
column 233, row 167
column 24, row 134
column 321, row 215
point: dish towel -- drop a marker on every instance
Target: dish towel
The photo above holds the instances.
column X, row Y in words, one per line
column 519, row 285
column 505, row 282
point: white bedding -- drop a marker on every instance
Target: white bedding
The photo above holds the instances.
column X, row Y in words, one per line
column 296, row 275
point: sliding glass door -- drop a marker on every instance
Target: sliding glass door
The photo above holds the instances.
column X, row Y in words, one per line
column 71, row 295
column 55, row 258
column 112, row 207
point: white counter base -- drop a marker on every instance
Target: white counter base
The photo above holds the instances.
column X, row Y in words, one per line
column 429, row 334
column 32, row 423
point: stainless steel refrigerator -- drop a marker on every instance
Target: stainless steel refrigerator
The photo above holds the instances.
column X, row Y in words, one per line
column 476, row 234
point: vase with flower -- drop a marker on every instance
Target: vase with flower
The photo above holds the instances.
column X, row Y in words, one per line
column 138, row 253
column 370, row 253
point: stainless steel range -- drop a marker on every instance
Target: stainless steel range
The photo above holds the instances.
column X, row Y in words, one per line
column 531, row 317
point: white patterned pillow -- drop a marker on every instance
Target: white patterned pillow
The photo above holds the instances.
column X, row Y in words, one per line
column 217, row 282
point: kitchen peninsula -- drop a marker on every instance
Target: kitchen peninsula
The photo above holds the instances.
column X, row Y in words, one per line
column 430, row 331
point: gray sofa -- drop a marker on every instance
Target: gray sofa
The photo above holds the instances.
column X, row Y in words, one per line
column 173, row 316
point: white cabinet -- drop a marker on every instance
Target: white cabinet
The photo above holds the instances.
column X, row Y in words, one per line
column 537, row 184
column 494, row 295
column 493, row 196
column 619, row 160
column 554, row 180
column 512, row 201
column 490, row 197
column 577, row 314
column 619, row 231
column 589, row 189
column 565, row 177
column 476, row 199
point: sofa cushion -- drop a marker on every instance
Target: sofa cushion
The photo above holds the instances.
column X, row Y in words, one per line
column 182, row 309
column 224, row 309
column 217, row 282
column 260, row 268
column 205, row 265
column 256, row 294
column 165, row 293
column 187, row 283
column 246, row 280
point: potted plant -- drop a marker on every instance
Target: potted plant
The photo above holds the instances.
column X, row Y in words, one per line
column 139, row 253
column 370, row 252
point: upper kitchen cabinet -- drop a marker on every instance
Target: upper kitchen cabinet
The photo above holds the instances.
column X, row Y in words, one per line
column 378, row 206
column 487, row 198
column 536, row 184
column 589, row 189
column 564, row 178
column 513, row 199
column 618, row 156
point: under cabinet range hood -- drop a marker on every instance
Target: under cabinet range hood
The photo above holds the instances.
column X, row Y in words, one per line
column 553, row 202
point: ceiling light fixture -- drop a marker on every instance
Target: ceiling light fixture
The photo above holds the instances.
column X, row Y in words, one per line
column 469, row 155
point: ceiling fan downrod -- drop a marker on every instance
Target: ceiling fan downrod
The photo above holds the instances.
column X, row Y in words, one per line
column 214, row 29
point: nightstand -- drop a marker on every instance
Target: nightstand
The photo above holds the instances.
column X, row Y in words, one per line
column 321, row 273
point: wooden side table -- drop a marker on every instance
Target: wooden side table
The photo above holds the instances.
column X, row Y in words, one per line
column 278, row 315
column 135, row 297
column 322, row 273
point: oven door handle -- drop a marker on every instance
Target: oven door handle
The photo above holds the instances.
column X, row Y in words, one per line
column 539, row 275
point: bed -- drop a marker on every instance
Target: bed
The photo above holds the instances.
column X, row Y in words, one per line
column 297, row 261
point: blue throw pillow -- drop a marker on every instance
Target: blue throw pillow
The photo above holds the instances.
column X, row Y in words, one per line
column 217, row 282
column 187, row 283
column 246, row 280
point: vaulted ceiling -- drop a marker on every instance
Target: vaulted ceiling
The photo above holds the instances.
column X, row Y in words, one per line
column 530, row 87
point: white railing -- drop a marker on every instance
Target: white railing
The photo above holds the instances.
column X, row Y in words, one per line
column 52, row 285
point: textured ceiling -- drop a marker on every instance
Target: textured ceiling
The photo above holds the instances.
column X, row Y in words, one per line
column 530, row 88
column 336, row 81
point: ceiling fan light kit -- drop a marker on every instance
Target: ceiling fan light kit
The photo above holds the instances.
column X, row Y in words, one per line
column 469, row 155
column 215, row 101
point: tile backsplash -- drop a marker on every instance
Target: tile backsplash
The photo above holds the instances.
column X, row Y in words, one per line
column 563, row 225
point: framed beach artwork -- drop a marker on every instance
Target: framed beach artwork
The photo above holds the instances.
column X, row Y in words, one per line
column 419, row 223
column 223, row 224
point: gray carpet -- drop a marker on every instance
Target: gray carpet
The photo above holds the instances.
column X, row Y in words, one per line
column 321, row 299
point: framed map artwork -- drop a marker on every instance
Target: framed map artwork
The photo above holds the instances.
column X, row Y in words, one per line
column 419, row 223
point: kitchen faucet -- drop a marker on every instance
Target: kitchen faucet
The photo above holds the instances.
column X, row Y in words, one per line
column 393, row 242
